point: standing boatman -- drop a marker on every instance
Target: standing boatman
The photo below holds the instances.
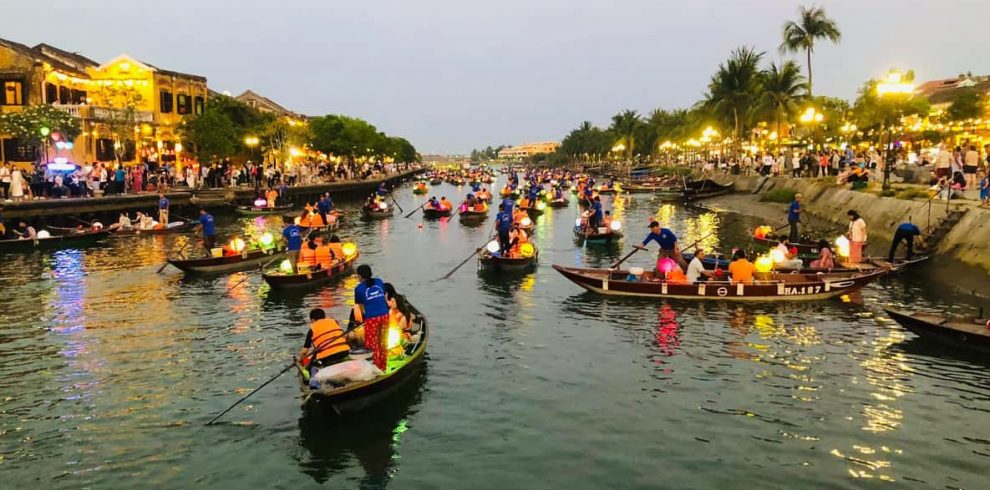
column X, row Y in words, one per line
column 209, row 230
column 324, row 206
column 162, row 210
column 503, row 224
column 794, row 217
column 668, row 244
column 293, row 237
column 906, row 232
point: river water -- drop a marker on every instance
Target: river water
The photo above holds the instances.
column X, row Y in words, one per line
column 109, row 370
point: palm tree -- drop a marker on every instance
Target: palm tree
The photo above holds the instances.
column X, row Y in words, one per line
column 626, row 125
column 783, row 87
column 735, row 88
column 801, row 35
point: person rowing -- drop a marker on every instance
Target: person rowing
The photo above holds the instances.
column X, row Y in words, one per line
column 205, row 223
column 26, row 232
column 667, row 241
column 325, row 343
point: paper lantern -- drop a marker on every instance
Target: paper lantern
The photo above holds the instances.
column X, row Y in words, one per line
column 842, row 246
column 297, row 220
column 577, row 222
column 394, row 337
column 777, row 255
column 616, row 225
column 382, row 206
column 666, row 265
column 260, row 202
column 527, row 250
column 493, row 246
column 286, row 266
column 525, row 222
column 267, row 239
column 44, row 234
column 350, row 248
column 764, row 263
column 541, row 206
column 237, row 245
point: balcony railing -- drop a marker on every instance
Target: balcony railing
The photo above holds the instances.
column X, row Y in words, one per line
column 102, row 113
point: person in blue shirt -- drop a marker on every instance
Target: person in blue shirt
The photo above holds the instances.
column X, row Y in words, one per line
column 283, row 191
column 509, row 204
column 794, row 217
column 668, row 244
column 534, row 192
column 595, row 220
column 557, row 193
column 372, row 308
column 905, row 232
column 293, row 238
column 162, row 209
column 382, row 190
column 324, row 206
column 209, row 230
column 120, row 176
column 503, row 224
column 476, row 187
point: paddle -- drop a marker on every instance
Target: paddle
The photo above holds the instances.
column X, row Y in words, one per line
column 396, row 202
column 245, row 397
column 81, row 221
column 247, row 276
column 637, row 248
column 478, row 250
column 417, row 209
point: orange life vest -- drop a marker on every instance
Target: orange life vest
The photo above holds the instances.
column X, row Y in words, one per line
column 328, row 338
column 338, row 250
column 323, row 256
column 307, row 256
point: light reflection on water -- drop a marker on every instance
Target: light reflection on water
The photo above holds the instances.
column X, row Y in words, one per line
column 109, row 371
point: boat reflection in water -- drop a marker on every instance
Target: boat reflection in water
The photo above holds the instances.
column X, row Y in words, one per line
column 667, row 335
column 369, row 438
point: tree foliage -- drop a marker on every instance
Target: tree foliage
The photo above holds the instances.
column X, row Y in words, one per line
column 121, row 116
column 871, row 110
column 968, row 104
column 734, row 90
column 813, row 24
column 782, row 91
column 36, row 124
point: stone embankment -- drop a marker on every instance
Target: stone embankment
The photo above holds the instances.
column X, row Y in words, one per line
column 960, row 230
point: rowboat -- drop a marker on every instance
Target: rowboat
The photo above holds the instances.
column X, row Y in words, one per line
column 778, row 287
column 436, row 213
column 379, row 213
column 494, row 263
column 472, row 215
column 507, row 193
column 245, row 260
column 69, row 240
column 720, row 261
column 278, row 280
column 436, row 181
column 420, row 189
column 173, row 227
column 559, row 203
column 355, row 397
column 973, row 334
column 601, row 235
column 262, row 210
column 696, row 190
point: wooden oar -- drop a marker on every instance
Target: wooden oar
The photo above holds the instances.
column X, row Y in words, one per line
column 81, row 221
column 166, row 264
column 417, row 209
column 248, row 276
column 245, row 397
column 396, row 202
column 478, row 250
column 636, row 248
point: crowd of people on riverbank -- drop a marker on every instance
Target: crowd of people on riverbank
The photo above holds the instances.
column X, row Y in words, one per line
column 105, row 179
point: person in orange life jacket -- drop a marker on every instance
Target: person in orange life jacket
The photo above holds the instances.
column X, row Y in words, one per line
column 325, row 343
column 445, row 205
column 517, row 237
column 307, row 254
column 324, row 256
column 372, row 307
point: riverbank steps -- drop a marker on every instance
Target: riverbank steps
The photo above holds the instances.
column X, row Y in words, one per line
column 968, row 241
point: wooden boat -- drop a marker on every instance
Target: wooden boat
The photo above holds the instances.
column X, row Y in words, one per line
column 973, row 334
column 245, row 260
column 358, row 396
column 314, row 220
column 173, row 227
column 607, row 190
column 559, row 203
column 68, row 240
column 472, row 215
column 533, row 211
column 601, row 235
column 721, row 261
column 279, row 280
column 420, row 189
column 778, row 287
column 436, row 181
column 703, row 189
column 507, row 193
column 260, row 211
column 647, row 188
column 493, row 263
column 370, row 213
column 436, row 213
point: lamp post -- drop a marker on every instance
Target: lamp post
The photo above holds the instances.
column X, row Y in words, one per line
column 812, row 118
column 251, row 142
column 892, row 88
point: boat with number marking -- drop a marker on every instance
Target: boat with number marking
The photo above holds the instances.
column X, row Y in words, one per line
column 772, row 287
column 356, row 396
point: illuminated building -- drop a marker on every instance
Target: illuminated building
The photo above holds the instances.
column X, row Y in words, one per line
column 527, row 149
column 98, row 94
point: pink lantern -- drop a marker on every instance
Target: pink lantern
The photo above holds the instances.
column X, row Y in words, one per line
column 666, row 264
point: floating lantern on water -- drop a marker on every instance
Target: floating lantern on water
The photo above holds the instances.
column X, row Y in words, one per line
column 527, row 250
column 349, row 249
column 842, row 246
column 616, row 225
column 493, row 246
column 260, row 202
column 764, row 263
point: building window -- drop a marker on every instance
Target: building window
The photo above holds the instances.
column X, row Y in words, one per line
column 13, row 93
column 198, row 105
column 64, row 95
column 104, row 150
column 78, row 97
column 183, row 104
column 166, row 102
column 51, row 93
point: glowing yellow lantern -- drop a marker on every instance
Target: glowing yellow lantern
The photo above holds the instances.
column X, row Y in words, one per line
column 237, row 245
column 842, row 246
column 527, row 249
column 394, row 337
column 286, row 266
column 349, row 249
column 525, row 222
column 267, row 240
column 764, row 263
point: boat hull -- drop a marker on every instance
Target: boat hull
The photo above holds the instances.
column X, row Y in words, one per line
column 314, row 278
column 229, row 263
column 489, row 263
column 436, row 213
column 952, row 333
column 255, row 211
column 54, row 242
column 610, row 236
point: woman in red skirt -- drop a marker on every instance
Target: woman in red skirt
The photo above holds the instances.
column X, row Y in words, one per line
column 369, row 298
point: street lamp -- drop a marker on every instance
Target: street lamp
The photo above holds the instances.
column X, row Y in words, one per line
column 893, row 87
column 251, row 142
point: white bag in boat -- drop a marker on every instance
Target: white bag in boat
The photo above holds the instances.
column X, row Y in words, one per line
column 347, row 372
